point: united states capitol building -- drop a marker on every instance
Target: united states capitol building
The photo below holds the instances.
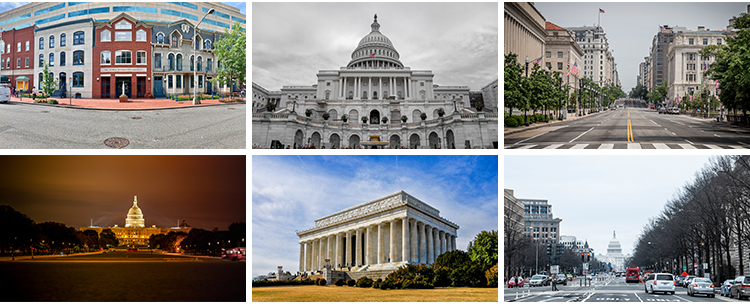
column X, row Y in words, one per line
column 614, row 255
column 375, row 102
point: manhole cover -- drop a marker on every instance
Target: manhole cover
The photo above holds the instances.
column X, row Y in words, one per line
column 116, row 142
column 136, row 118
column 45, row 111
column 232, row 108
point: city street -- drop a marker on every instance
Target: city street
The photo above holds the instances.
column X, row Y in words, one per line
column 612, row 289
column 25, row 126
column 632, row 128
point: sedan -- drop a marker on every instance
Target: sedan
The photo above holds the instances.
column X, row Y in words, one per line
column 725, row 287
column 679, row 280
column 537, row 281
column 700, row 285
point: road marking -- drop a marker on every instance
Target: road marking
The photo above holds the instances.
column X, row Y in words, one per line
column 630, row 132
column 579, row 136
column 530, row 138
column 526, row 147
column 736, row 147
column 742, row 143
column 554, row 146
column 673, row 133
column 717, row 135
column 639, row 298
column 686, row 146
column 712, row 146
column 607, row 146
column 688, row 141
column 634, row 146
column 681, row 298
column 661, row 146
column 580, row 146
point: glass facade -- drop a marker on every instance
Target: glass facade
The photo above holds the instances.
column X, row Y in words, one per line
column 137, row 9
column 49, row 9
column 50, row 19
column 89, row 12
column 216, row 13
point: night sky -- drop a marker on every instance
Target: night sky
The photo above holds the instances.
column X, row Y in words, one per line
column 207, row 191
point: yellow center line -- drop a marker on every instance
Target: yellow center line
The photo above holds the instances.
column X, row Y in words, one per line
column 630, row 132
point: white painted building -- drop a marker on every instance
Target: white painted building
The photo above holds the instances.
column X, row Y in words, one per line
column 686, row 66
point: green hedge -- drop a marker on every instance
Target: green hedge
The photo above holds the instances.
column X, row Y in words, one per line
column 339, row 282
column 515, row 121
column 350, row 282
column 364, row 282
column 265, row 283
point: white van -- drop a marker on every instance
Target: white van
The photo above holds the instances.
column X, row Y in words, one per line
column 4, row 93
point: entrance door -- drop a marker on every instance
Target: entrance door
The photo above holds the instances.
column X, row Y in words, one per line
column 120, row 82
column 105, row 88
column 63, row 80
column 158, row 87
column 141, row 89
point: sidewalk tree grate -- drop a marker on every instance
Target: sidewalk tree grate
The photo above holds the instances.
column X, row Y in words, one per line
column 116, row 142
column 137, row 118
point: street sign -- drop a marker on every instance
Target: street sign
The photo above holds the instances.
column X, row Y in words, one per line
column 695, row 265
column 585, row 272
column 585, row 266
column 554, row 269
column 705, row 266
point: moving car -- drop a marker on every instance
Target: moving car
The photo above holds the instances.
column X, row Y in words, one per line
column 561, row 279
column 740, row 288
column 726, row 286
column 4, row 93
column 659, row 282
column 233, row 254
column 687, row 280
column 515, row 282
column 537, row 280
column 632, row 275
column 701, row 285
column 679, row 280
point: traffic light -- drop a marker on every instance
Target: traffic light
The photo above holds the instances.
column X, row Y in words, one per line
column 549, row 249
column 583, row 257
column 588, row 257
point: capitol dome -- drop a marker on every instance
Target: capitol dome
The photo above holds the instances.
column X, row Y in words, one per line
column 614, row 245
column 375, row 50
column 135, row 216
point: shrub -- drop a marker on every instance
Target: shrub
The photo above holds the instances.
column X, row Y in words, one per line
column 339, row 282
column 321, row 282
column 52, row 101
column 350, row 282
column 442, row 276
column 364, row 282
column 468, row 274
column 404, row 118
column 512, row 121
column 182, row 99
column 41, row 100
column 408, row 284
column 326, row 116
column 452, row 259
column 491, row 275
column 377, row 283
column 308, row 112
column 265, row 283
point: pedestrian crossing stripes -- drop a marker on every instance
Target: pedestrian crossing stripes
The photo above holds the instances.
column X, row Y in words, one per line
column 630, row 145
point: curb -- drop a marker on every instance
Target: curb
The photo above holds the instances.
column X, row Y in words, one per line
column 544, row 125
column 122, row 109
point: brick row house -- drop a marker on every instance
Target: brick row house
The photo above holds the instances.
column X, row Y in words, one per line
column 123, row 56
column 18, row 58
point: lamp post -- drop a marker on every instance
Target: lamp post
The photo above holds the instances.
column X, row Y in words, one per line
column 525, row 120
column 195, row 59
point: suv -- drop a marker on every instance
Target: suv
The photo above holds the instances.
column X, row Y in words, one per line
column 4, row 93
column 659, row 282
column 740, row 288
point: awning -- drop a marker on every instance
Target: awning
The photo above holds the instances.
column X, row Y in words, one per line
column 4, row 79
column 22, row 78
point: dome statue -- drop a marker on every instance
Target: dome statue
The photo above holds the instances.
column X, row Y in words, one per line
column 375, row 50
column 614, row 245
column 135, row 216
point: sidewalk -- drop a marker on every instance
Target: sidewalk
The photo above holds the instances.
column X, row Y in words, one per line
column 571, row 117
column 114, row 104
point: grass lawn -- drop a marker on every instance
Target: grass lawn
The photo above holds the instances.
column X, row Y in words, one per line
column 333, row 293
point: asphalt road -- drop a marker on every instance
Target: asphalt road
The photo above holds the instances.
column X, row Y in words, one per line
column 633, row 128
column 24, row 126
column 608, row 290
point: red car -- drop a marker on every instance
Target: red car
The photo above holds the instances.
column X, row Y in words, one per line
column 133, row 250
column 515, row 282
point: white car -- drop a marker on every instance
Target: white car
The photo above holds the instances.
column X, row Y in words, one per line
column 659, row 282
column 4, row 93
column 537, row 280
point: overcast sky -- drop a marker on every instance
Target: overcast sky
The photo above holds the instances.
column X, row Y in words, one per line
column 595, row 195
column 290, row 192
column 291, row 42
column 206, row 191
column 631, row 26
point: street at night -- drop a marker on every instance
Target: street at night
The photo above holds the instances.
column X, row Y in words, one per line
column 122, row 277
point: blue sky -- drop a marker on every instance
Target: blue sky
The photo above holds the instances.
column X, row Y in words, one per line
column 595, row 195
column 289, row 192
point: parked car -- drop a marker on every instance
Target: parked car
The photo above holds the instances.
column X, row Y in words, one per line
column 679, row 280
column 662, row 110
column 659, row 282
column 4, row 93
column 515, row 282
column 725, row 287
column 700, row 285
column 537, row 280
column 740, row 288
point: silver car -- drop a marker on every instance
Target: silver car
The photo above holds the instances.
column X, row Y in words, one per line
column 701, row 285
column 537, row 280
column 659, row 282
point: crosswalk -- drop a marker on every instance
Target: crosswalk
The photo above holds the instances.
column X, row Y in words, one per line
column 629, row 145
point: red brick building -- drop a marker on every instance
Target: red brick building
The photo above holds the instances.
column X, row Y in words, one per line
column 18, row 57
column 121, row 58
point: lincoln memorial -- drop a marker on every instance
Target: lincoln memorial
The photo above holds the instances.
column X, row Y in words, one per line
column 382, row 234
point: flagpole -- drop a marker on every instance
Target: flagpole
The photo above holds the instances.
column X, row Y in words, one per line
column 599, row 19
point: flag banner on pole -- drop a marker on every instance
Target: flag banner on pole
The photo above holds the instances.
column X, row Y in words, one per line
column 717, row 83
column 575, row 68
column 601, row 11
column 538, row 60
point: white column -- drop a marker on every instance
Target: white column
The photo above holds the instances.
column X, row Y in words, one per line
column 430, row 245
column 356, row 88
column 330, row 249
column 314, row 258
column 435, row 244
column 443, row 242
column 339, row 251
column 453, row 239
column 381, row 244
column 394, row 239
column 368, row 246
column 392, row 85
column 406, row 87
column 301, row 257
column 405, row 244
column 358, row 249
column 348, row 249
column 422, row 243
column 380, row 88
column 414, row 241
column 321, row 254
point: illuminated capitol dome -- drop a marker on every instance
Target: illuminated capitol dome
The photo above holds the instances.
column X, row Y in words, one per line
column 135, row 216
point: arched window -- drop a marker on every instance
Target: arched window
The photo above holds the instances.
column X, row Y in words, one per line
column 208, row 64
column 62, row 58
column 160, row 38
column 106, row 35
column 179, row 62
column 175, row 40
column 170, row 62
column 41, row 43
column 41, row 60
column 78, row 57
column 79, row 38
column 200, row 63
column 140, row 35
column 40, row 80
column 196, row 42
column 207, row 44
column 192, row 63
column 52, row 59
column 51, row 41
column 62, row 40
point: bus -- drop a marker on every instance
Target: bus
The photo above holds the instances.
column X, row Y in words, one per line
column 233, row 254
column 633, row 274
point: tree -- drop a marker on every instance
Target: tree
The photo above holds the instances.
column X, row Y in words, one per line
column 48, row 80
column 231, row 50
column 514, row 92
column 90, row 239
column 108, row 239
column 16, row 229
column 452, row 259
column 237, row 233
column 483, row 249
column 732, row 66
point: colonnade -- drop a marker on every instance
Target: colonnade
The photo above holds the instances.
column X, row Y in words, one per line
column 408, row 240
column 358, row 88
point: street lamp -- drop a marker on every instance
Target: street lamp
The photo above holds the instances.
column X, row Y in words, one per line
column 195, row 59
column 525, row 120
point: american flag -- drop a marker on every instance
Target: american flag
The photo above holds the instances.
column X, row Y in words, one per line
column 601, row 11
column 538, row 60
column 575, row 68
column 372, row 55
